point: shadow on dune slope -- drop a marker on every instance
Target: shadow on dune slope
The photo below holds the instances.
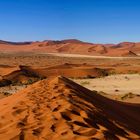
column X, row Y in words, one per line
column 58, row 108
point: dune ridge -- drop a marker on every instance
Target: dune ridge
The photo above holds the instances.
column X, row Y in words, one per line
column 58, row 108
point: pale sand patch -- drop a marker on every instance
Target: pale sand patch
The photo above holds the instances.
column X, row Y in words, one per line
column 88, row 56
column 114, row 84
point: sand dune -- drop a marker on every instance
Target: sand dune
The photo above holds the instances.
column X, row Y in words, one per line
column 67, row 70
column 72, row 46
column 29, row 74
column 57, row 108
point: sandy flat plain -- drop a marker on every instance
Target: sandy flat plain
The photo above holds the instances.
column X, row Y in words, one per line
column 114, row 84
column 121, row 87
column 89, row 56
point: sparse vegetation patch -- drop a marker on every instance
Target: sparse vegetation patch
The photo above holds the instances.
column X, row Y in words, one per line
column 84, row 83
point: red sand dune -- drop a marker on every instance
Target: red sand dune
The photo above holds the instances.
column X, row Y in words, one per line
column 58, row 108
column 67, row 70
column 72, row 46
column 29, row 74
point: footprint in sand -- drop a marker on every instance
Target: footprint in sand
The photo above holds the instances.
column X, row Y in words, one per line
column 53, row 128
column 18, row 111
column 37, row 131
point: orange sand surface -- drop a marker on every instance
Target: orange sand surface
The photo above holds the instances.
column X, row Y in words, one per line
column 59, row 109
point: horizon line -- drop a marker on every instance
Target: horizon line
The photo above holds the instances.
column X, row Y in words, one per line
column 31, row 41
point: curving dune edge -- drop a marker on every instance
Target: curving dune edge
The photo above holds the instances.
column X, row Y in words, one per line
column 59, row 109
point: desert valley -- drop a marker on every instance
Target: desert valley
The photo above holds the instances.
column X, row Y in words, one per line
column 69, row 90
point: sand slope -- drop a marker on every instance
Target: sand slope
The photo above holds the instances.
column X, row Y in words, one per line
column 59, row 109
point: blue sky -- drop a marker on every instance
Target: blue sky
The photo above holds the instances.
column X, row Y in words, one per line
column 99, row 21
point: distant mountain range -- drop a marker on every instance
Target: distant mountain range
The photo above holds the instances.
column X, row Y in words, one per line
column 72, row 46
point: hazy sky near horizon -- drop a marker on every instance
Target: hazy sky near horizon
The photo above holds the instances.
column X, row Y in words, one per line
column 102, row 21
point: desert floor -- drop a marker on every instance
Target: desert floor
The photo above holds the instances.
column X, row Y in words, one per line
column 51, row 59
column 125, row 87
